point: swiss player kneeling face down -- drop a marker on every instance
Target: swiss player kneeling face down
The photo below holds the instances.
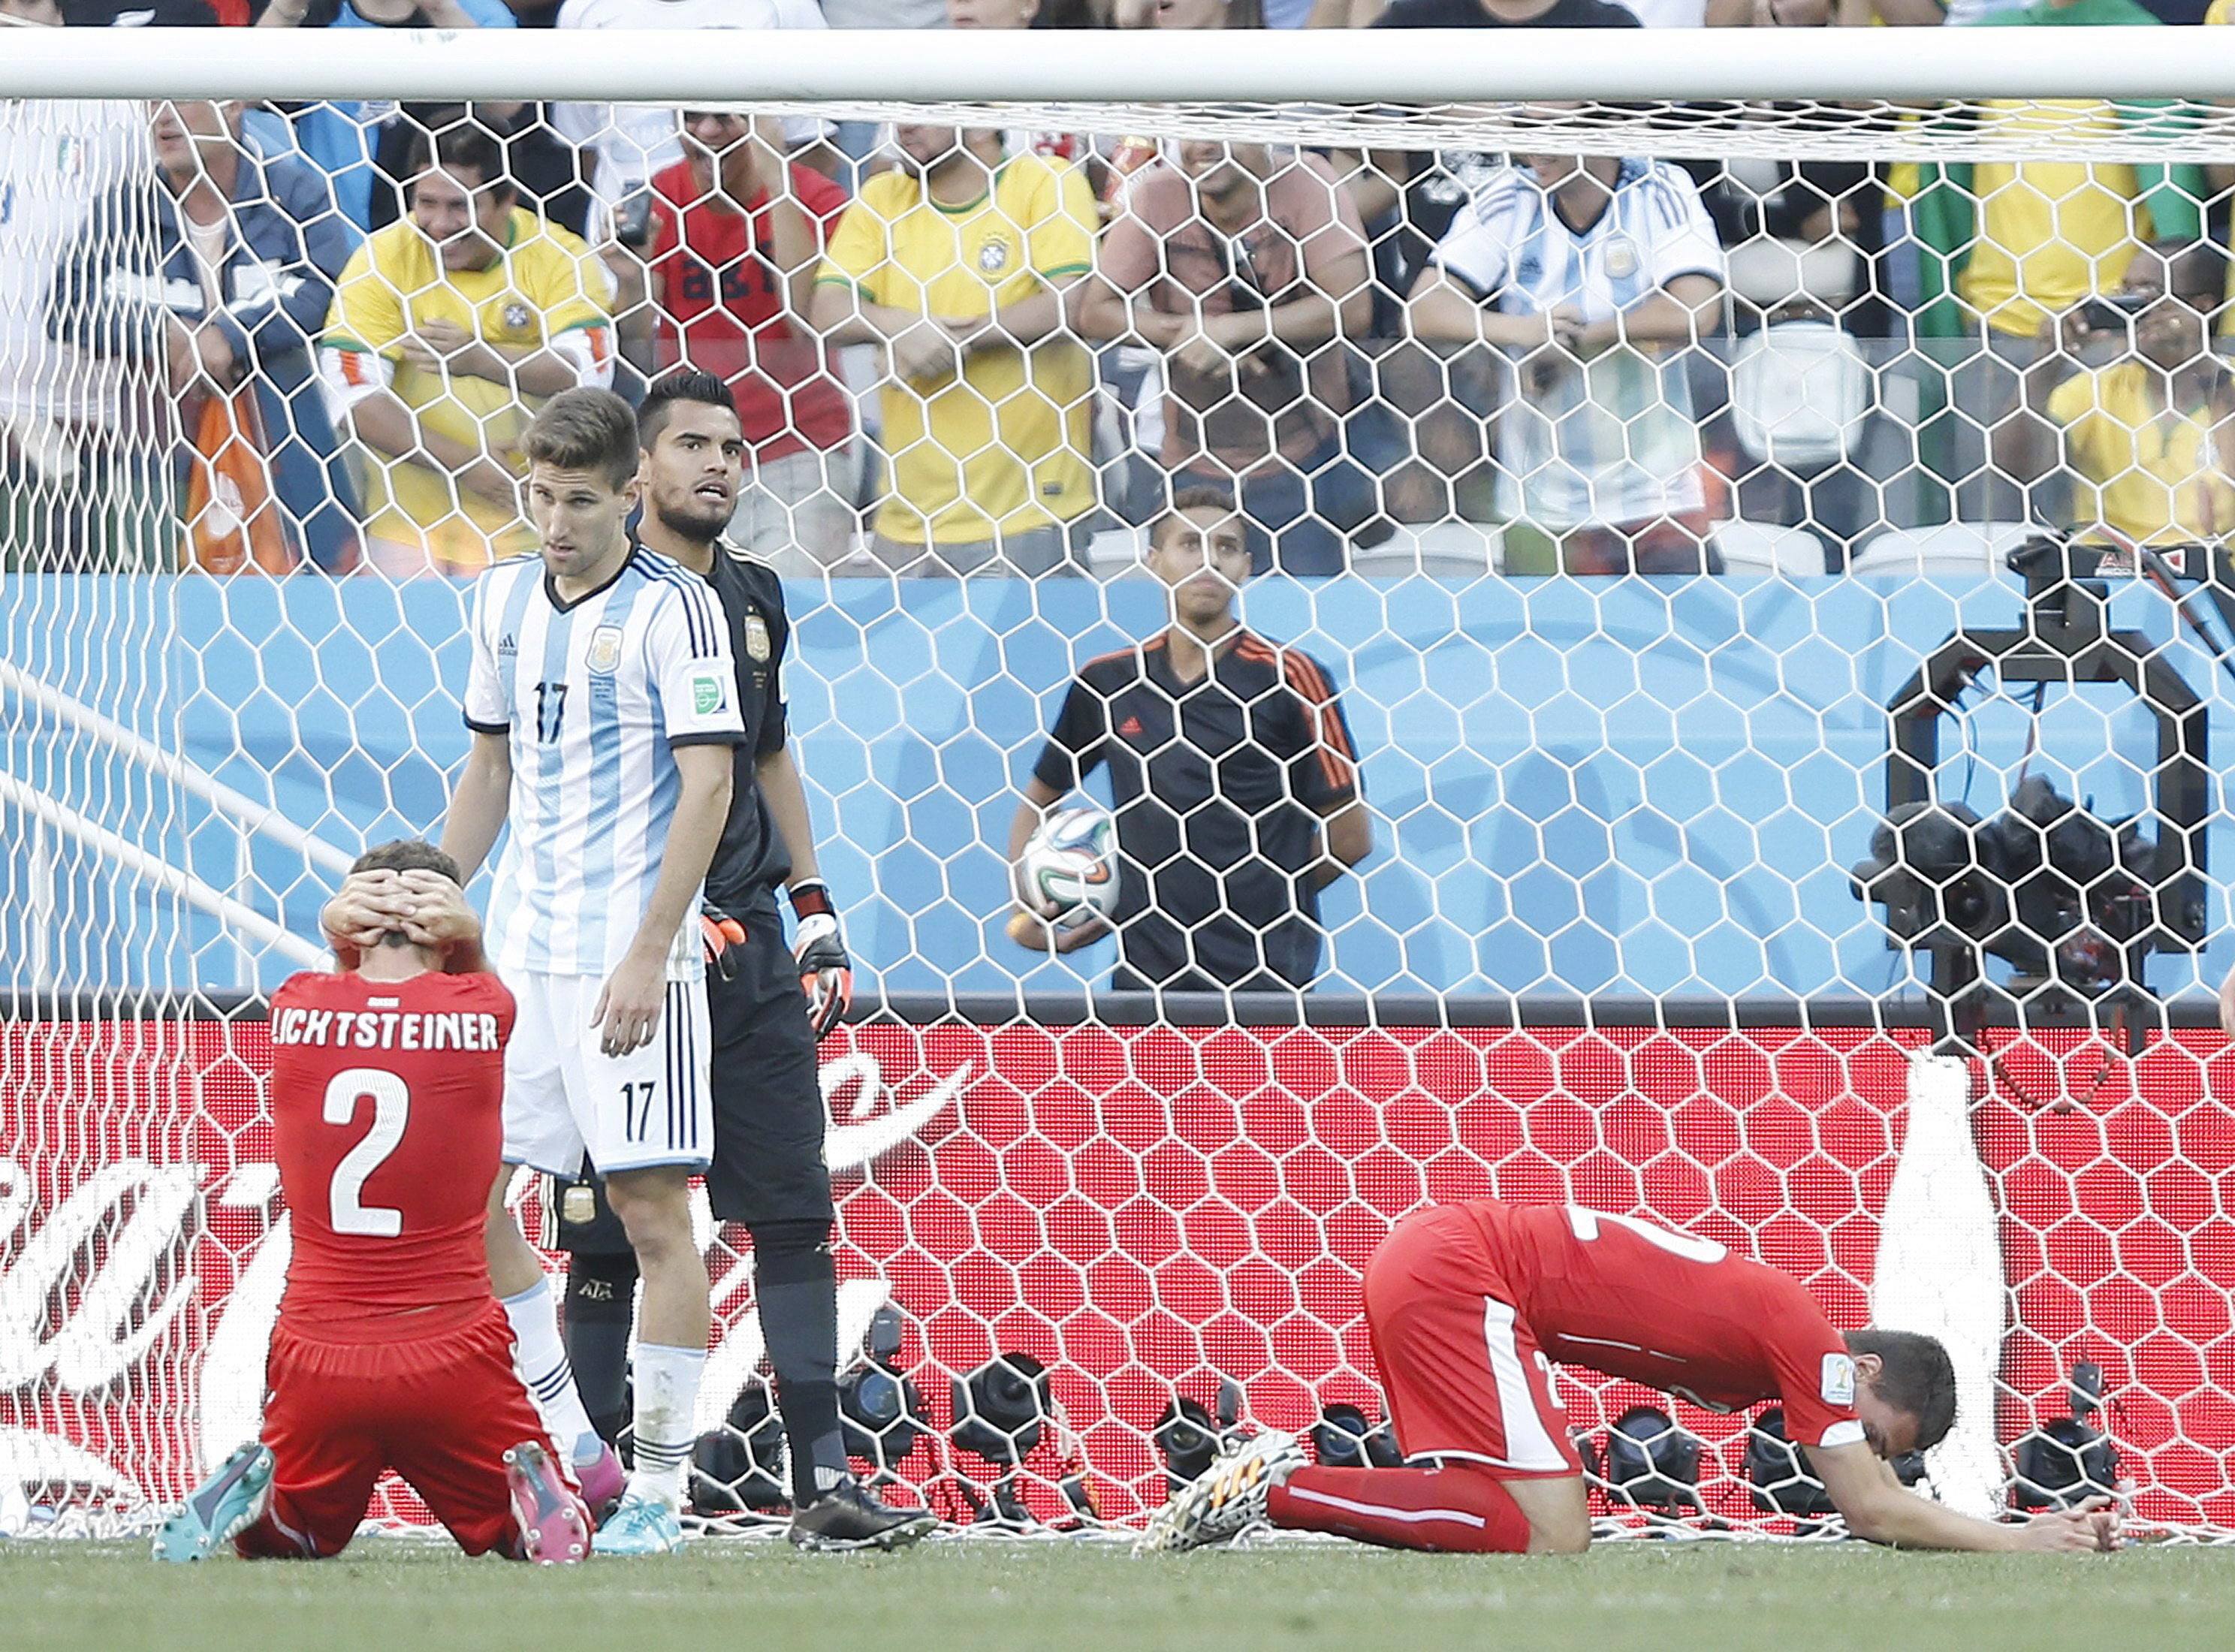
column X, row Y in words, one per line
column 1470, row 1306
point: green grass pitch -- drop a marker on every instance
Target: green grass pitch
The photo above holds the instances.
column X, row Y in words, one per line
column 1063, row 1597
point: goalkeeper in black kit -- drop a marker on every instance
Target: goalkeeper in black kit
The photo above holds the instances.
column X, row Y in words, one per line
column 768, row 1005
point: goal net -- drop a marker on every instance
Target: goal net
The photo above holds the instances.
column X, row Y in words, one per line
column 1632, row 484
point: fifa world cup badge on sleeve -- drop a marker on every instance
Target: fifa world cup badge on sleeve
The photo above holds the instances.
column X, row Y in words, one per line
column 1838, row 1385
column 708, row 694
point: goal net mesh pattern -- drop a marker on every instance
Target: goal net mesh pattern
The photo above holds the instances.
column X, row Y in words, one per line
column 1606, row 948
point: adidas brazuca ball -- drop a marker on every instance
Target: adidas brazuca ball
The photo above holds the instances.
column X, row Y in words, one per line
column 1070, row 863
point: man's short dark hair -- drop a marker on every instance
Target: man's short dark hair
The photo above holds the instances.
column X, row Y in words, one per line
column 466, row 147
column 1201, row 496
column 585, row 429
column 683, row 385
column 1916, row 1378
column 408, row 855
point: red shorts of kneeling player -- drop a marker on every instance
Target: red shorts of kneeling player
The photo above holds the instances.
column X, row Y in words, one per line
column 441, row 1411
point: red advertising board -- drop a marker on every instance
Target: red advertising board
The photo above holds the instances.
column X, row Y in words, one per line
column 1150, row 1209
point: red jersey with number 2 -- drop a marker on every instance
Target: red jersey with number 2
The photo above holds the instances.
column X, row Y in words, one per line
column 1673, row 1311
column 386, row 1110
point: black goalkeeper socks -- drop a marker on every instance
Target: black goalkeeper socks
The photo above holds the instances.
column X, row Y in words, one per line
column 796, row 1286
column 601, row 1304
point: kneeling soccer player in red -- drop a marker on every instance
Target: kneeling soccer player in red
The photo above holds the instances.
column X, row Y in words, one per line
column 1468, row 1304
column 390, row 1349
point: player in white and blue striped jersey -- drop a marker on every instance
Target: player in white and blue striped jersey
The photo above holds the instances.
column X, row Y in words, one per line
column 603, row 703
column 1592, row 273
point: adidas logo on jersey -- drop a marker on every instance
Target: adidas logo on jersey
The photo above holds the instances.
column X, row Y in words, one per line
column 1130, row 727
column 506, row 646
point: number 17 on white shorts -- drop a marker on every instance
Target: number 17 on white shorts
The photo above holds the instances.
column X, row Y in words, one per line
column 564, row 1095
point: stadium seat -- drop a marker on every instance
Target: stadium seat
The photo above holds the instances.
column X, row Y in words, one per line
column 1950, row 547
column 1116, row 552
column 1441, row 550
column 860, row 562
column 1767, row 547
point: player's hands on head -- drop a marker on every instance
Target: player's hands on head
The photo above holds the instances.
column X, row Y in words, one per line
column 425, row 907
column 2094, row 1525
column 439, row 916
column 366, row 907
column 627, row 1010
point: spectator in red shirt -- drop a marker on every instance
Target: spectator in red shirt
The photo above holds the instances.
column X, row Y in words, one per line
column 737, row 231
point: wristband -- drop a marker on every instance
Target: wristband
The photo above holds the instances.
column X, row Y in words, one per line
column 810, row 898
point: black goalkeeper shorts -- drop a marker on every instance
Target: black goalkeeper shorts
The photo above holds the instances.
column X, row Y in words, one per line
column 769, row 1112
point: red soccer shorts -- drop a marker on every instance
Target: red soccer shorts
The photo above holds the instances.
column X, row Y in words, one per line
column 1465, row 1378
column 442, row 1414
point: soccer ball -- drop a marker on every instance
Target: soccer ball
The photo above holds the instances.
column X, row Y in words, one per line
column 1070, row 863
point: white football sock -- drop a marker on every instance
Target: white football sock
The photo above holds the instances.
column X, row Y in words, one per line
column 544, row 1367
column 666, row 1406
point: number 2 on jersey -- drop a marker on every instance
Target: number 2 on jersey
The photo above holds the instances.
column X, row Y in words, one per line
column 391, row 1110
column 1585, row 1226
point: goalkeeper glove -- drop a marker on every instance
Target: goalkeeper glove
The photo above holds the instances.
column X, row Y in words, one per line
column 826, row 974
column 722, row 935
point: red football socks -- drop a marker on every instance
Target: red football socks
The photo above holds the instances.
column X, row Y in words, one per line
column 1455, row 1509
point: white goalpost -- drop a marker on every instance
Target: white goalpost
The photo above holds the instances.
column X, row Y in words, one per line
column 1310, row 67
column 1617, row 943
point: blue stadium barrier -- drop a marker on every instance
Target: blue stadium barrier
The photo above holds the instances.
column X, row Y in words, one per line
column 1581, row 787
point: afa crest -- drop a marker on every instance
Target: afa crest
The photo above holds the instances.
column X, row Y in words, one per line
column 757, row 646
column 605, row 650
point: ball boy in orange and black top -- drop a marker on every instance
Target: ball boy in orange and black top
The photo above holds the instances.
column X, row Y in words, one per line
column 391, row 1350
column 1233, row 772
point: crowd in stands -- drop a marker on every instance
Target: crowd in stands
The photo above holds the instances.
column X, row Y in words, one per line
column 962, row 350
